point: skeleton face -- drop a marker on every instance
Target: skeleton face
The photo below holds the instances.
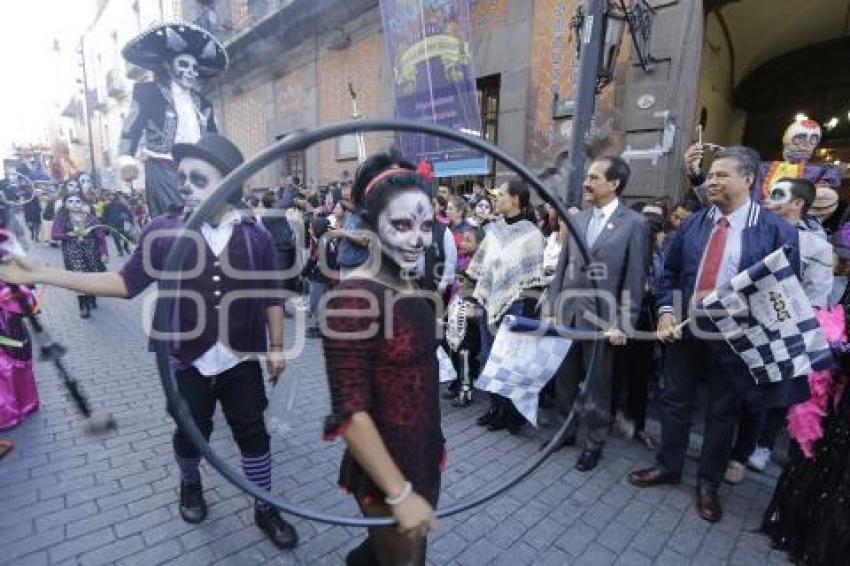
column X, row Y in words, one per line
column 405, row 228
column 184, row 70
column 74, row 204
column 800, row 140
column 85, row 183
column 72, row 187
column 198, row 180
column 781, row 201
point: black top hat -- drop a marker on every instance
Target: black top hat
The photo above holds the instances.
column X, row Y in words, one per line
column 212, row 148
column 162, row 42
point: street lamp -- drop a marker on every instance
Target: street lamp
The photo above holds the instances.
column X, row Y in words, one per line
column 598, row 26
column 81, row 50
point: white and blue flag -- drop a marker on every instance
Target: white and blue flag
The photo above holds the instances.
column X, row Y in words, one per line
column 525, row 355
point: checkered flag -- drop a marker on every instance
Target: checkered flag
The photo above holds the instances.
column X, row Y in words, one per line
column 521, row 363
column 763, row 313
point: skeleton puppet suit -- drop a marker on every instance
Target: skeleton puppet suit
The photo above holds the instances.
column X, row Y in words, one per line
column 168, row 110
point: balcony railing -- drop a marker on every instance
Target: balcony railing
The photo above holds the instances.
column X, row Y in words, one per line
column 232, row 18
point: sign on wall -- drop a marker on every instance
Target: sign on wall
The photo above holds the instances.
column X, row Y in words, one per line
column 428, row 44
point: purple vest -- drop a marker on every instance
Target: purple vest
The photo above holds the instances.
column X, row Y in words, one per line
column 214, row 304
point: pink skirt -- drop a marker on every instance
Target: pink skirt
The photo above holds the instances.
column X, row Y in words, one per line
column 18, row 393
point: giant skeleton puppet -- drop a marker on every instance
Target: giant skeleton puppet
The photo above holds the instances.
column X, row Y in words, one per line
column 169, row 109
column 799, row 142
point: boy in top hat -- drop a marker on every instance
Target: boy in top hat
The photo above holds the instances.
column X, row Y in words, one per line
column 212, row 364
column 168, row 110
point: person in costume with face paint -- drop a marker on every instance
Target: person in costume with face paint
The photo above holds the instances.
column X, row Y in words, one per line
column 169, row 109
column 380, row 344
column 18, row 391
column 83, row 244
column 215, row 366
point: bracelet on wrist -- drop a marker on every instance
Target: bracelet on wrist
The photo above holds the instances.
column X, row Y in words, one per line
column 404, row 494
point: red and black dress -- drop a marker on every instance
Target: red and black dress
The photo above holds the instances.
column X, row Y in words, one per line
column 382, row 360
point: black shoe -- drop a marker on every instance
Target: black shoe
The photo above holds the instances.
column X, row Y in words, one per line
column 651, row 477
column 708, row 504
column 85, row 310
column 486, row 418
column 193, row 508
column 281, row 533
column 464, row 398
column 588, row 459
column 498, row 422
column 92, row 301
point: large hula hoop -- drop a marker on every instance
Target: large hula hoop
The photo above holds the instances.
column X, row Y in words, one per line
column 299, row 141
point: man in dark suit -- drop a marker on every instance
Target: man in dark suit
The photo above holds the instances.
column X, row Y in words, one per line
column 618, row 240
column 709, row 248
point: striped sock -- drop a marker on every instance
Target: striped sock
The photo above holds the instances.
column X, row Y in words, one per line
column 258, row 469
column 189, row 469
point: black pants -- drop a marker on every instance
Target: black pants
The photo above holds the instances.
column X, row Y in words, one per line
column 593, row 405
column 243, row 399
column 634, row 371
column 121, row 238
column 686, row 363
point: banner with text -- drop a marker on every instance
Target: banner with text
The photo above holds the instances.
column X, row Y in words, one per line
column 428, row 44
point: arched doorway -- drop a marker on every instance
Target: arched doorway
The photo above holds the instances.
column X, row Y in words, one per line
column 764, row 61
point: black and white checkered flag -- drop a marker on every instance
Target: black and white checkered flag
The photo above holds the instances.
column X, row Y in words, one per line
column 764, row 315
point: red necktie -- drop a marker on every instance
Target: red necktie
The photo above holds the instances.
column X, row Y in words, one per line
column 713, row 257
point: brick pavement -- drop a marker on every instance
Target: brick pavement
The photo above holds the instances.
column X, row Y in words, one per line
column 68, row 498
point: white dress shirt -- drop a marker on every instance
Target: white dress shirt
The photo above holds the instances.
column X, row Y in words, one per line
column 599, row 218
column 219, row 358
column 188, row 121
column 731, row 262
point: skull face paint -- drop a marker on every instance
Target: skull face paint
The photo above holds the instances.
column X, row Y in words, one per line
column 780, row 201
column 72, row 187
column 85, row 183
column 779, row 194
column 74, row 204
column 184, row 70
column 405, row 228
column 198, row 180
column 800, row 140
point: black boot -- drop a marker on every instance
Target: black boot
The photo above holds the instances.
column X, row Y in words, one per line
column 281, row 533
column 193, row 508
column 361, row 556
column 486, row 418
column 84, row 306
column 92, row 301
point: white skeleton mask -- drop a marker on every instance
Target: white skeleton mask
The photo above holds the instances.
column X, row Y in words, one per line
column 198, row 180
column 184, row 70
column 405, row 228
column 85, row 183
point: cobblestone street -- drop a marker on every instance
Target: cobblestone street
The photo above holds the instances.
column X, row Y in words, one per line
column 69, row 498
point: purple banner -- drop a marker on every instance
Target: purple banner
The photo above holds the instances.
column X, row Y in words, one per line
column 428, row 44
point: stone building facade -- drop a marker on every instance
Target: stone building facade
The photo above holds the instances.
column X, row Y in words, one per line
column 292, row 60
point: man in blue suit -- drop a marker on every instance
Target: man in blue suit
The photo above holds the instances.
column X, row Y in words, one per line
column 709, row 248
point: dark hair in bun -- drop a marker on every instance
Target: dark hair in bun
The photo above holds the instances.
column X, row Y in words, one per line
column 370, row 198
